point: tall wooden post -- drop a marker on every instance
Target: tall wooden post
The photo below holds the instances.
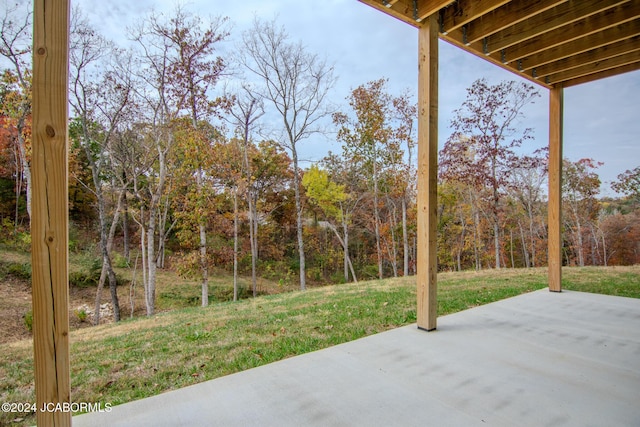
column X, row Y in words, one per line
column 427, row 311
column 555, row 188
column 50, row 217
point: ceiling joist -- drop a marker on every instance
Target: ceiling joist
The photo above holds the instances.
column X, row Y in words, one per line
column 589, row 57
column 549, row 42
column 465, row 11
column 511, row 13
column 550, row 24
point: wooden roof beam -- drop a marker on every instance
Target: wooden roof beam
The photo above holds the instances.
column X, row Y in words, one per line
column 600, row 39
column 397, row 8
column 464, row 11
column 596, row 67
column 602, row 75
column 591, row 25
column 591, row 56
column 558, row 18
column 513, row 12
column 410, row 11
column 426, row 8
column 558, row 36
column 455, row 41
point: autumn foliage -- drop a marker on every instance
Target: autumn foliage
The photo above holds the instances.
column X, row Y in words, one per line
column 168, row 165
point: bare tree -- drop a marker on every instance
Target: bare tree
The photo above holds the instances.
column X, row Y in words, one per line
column 192, row 72
column 406, row 113
column 248, row 108
column 580, row 186
column 101, row 96
column 154, row 55
column 367, row 140
column 480, row 150
column 296, row 83
column 526, row 188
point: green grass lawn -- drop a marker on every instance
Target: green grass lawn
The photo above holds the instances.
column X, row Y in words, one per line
column 118, row 363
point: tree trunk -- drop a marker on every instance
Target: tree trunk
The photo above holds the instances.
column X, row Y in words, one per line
column 532, row 237
column 107, row 267
column 113, row 289
column 476, row 235
column 151, row 266
column 19, row 178
column 235, row 244
column 143, row 252
column 204, row 269
column 496, row 238
column 132, row 288
column 405, row 236
column 253, row 240
column 525, row 250
column 125, row 221
column 604, row 251
column 150, row 293
column 463, row 238
column 203, row 265
column 579, row 243
column 394, row 246
column 376, row 214
column 299, row 225
column 98, row 300
column 513, row 263
column 344, row 243
column 26, row 168
column 163, row 234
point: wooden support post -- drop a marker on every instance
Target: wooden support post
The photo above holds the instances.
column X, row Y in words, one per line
column 50, row 213
column 427, row 311
column 555, row 188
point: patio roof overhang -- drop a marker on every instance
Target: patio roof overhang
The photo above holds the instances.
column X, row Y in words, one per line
column 553, row 43
column 549, row 42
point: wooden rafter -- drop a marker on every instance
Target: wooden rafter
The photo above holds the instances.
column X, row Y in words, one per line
column 545, row 41
column 546, row 29
column 624, row 32
column 463, row 12
column 510, row 14
column 596, row 67
column 410, row 11
column 603, row 74
column 592, row 56
column 574, row 31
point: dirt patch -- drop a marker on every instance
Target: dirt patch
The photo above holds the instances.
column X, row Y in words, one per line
column 15, row 303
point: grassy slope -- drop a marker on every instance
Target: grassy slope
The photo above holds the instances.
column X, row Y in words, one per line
column 136, row 359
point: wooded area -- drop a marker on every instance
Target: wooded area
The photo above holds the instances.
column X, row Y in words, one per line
column 169, row 168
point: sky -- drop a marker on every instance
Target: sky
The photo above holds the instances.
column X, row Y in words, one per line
column 601, row 119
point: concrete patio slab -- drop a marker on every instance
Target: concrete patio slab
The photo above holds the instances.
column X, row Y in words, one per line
column 539, row 359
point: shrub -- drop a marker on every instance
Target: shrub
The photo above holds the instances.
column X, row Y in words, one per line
column 119, row 261
column 17, row 270
column 225, row 293
column 84, row 279
column 81, row 314
column 89, row 274
column 28, row 320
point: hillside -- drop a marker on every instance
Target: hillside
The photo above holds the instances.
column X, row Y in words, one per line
column 117, row 363
column 173, row 292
